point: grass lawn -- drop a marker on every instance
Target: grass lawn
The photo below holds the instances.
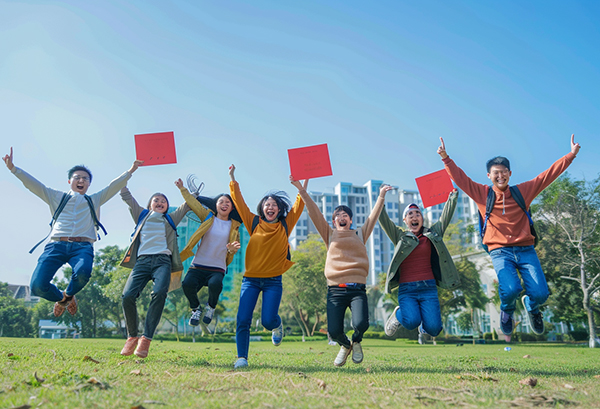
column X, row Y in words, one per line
column 90, row 373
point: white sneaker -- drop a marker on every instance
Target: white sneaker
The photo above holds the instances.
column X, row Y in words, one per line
column 357, row 353
column 195, row 318
column 421, row 337
column 341, row 357
column 392, row 324
column 208, row 314
column 277, row 335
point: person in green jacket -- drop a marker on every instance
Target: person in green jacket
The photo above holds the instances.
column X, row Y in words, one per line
column 421, row 262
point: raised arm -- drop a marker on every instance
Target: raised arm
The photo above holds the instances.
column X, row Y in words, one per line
column 313, row 211
column 369, row 225
column 389, row 227
column 134, row 208
column 194, row 205
column 238, row 200
column 448, row 211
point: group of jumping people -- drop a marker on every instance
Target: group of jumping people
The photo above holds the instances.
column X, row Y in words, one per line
column 420, row 263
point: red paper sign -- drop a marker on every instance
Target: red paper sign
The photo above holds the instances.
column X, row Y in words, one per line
column 310, row 162
column 434, row 188
column 155, row 148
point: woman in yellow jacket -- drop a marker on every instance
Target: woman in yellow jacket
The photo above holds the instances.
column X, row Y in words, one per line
column 219, row 231
column 267, row 258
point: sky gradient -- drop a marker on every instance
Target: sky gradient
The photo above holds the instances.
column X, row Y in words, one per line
column 241, row 82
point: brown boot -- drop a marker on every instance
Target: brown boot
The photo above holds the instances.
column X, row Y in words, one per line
column 59, row 306
column 72, row 306
column 142, row 347
column 130, row 345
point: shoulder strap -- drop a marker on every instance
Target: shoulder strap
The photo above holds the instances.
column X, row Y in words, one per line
column 94, row 216
column 489, row 206
column 516, row 194
column 61, row 205
column 255, row 222
column 171, row 223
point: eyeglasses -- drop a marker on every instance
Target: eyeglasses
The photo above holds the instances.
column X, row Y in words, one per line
column 84, row 178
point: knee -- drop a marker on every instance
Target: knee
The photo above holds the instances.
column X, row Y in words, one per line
column 215, row 286
column 362, row 326
column 271, row 323
column 410, row 323
column 160, row 294
column 434, row 331
column 510, row 291
column 540, row 296
column 38, row 288
column 128, row 298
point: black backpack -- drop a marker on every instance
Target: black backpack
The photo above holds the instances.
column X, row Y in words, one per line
column 255, row 222
column 489, row 206
column 63, row 202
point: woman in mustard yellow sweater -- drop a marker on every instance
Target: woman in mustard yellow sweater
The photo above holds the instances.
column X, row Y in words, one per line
column 267, row 258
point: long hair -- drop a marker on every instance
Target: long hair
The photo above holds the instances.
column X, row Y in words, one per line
column 211, row 204
column 283, row 203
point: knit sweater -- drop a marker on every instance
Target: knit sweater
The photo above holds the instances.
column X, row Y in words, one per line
column 347, row 260
column 266, row 254
column 508, row 224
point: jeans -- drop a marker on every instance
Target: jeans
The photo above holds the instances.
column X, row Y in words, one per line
column 155, row 267
column 419, row 304
column 506, row 261
column 339, row 299
column 271, row 298
column 195, row 279
column 79, row 255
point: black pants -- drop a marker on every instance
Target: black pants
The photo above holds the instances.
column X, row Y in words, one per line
column 338, row 300
column 195, row 279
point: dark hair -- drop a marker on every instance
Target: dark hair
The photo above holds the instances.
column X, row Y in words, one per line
column 498, row 160
column 342, row 208
column 79, row 167
column 158, row 194
column 211, row 204
column 282, row 200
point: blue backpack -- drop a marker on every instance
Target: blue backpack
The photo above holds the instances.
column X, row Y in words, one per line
column 489, row 206
column 143, row 215
column 63, row 202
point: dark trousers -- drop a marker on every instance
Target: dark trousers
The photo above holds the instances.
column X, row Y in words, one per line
column 338, row 300
column 195, row 279
column 156, row 267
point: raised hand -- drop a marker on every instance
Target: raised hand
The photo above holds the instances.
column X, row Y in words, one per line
column 574, row 146
column 442, row 149
column 179, row 183
column 297, row 184
column 232, row 172
column 384, row 189
column 136, row 165
column 8, row 159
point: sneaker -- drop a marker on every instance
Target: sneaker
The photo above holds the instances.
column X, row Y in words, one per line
column 72, row 306
column 130, row 345
column 392, row 324
column 507, row 324
column 277, row 335
column 240, row 363
column 421, row 337
column 208, row 314
column 59, row 308
column 195, row 318
column 341, row 357
column 142, row 347
column 357, row 353
column 536, row 321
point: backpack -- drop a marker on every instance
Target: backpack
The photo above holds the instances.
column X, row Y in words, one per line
column 255, row 222
column 143, row 215
column 489, row 206
column 63, row 202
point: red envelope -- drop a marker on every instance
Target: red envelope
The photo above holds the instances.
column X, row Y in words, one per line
column 310, row 162
column 434, row 188
column 155, row 148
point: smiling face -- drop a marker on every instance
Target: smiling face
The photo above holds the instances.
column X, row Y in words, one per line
column 270, row 209
column 414, row 221
column 224, row 207
column 159, row 204
column 499, row 175
column 80, row 181
column 342, row 220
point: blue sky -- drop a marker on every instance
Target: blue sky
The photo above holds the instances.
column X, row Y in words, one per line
column 241, row 82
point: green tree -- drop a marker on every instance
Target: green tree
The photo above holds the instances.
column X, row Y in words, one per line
column 15, row 318
column 570, row 252
column 305, row 286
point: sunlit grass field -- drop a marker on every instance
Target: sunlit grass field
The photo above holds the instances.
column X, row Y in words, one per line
column 90, row 373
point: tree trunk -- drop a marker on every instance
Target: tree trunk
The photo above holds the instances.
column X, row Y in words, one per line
column 317, row 320
column 304, row 323
column 297, row 319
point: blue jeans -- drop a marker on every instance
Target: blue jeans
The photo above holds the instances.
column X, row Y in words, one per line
column 155, row 267
column 79, row 255
column 339, row 299
column 271, row 298
column 419, row 304
column 506, row 261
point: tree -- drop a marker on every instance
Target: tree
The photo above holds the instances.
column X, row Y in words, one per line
column 305, row 286
column 15, row 318
column 571, row 211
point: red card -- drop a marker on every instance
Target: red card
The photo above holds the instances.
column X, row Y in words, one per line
column 310, row 162
column 434, row 188
column 155, row 148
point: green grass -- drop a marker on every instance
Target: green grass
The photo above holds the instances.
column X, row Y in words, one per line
column 294, row 375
